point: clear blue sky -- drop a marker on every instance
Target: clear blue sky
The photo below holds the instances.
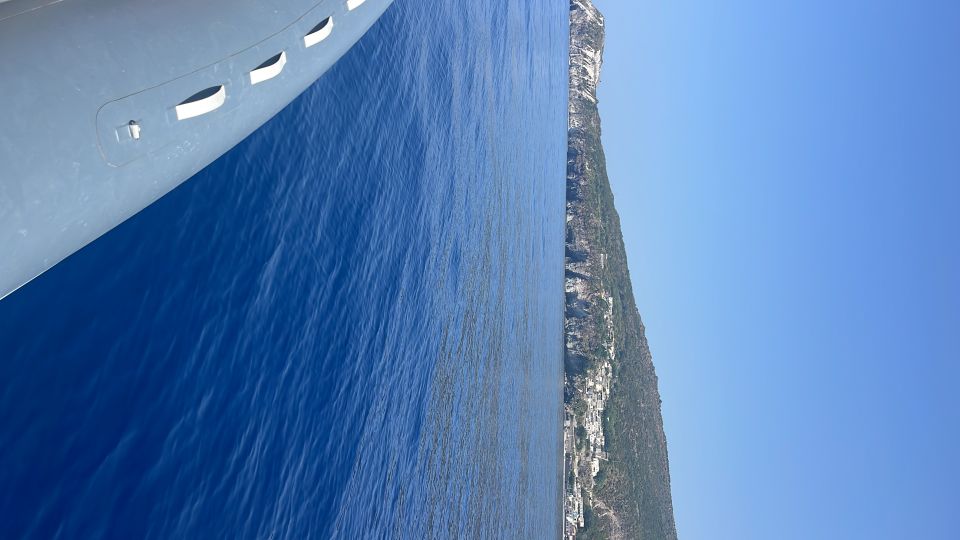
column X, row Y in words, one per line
column 788, row 178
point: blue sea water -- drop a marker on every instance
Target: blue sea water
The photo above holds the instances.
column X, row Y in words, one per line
column 348, row 326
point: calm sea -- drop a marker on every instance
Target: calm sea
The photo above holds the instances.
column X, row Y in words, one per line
column 348, row 326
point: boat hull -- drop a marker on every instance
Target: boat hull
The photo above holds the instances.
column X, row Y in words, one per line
column 103, row 110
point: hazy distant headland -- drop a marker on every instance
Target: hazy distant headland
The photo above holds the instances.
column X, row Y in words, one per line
column 617, row 475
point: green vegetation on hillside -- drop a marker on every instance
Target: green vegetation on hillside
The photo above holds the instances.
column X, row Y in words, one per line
column 634, row 485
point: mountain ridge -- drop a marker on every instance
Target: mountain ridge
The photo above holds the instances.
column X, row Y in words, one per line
column 617, row 476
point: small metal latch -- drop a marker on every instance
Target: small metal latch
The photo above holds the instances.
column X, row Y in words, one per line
column 134, row 128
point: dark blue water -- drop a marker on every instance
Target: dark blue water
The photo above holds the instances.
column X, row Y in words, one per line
column 350, row 325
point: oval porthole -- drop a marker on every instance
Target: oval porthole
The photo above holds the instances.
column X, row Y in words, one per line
column 319, row 32
column 202, row 102
column 269, row 69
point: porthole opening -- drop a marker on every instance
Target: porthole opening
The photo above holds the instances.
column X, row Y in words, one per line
column 319, row 32
column 269, row 69
column 202, row 102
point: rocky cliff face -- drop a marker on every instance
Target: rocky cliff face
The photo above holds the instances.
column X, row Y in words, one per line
column 617, row 482
column 586, row 59
column 583, row 143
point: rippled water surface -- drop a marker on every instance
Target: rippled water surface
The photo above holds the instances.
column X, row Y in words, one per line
column 350, row 325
